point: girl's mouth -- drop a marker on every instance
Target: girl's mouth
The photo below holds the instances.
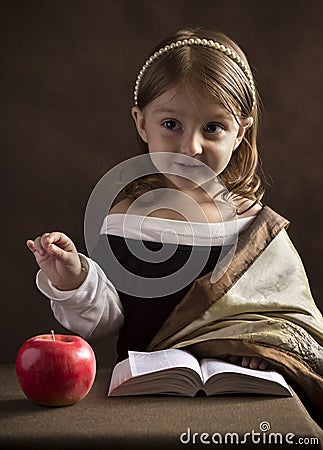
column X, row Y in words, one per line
column 187, row 167
column 188, row 164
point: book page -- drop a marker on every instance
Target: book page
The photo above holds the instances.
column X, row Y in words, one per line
column 120, row 374
column 210, row 367
column 142, row 363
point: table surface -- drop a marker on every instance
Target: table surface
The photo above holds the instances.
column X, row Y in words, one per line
column 147, row 422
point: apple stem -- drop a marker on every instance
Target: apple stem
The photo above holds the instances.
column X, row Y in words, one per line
column 53, row 336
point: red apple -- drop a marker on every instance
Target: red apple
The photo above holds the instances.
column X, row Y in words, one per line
column 56, row 370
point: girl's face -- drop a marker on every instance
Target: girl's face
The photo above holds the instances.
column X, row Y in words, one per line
column 182, row 124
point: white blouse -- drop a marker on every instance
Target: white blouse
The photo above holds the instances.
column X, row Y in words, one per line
column 169, row 231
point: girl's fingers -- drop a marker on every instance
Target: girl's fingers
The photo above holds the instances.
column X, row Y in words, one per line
column 245, row 361
column 60, row 240
column 47, row 238
column 30, row 244
column 54, row 244
column 253, row 362
column 264, row 365
column 38, row 247
column 56, row 251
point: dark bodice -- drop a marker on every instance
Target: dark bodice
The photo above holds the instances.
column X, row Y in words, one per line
column 144, row 316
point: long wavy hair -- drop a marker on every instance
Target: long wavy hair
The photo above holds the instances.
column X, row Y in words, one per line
column 221, row 78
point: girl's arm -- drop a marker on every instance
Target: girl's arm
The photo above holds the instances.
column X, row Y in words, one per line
column 92, row 310
column 83, row 300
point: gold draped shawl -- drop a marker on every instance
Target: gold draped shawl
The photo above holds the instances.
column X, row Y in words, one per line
column 261, row 306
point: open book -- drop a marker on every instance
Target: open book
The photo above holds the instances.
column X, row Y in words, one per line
column 177, row 372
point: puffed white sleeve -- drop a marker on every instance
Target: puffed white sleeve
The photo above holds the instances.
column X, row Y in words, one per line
column 92, row 310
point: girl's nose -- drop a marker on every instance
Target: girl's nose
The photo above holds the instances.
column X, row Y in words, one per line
column 191, row 144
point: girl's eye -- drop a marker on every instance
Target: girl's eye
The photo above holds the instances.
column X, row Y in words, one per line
column 213, row 128
column 170, row 125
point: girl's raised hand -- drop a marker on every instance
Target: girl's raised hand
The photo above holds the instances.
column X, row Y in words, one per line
column 57, row 256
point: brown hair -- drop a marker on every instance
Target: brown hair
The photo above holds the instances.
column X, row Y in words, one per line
column 221, row 78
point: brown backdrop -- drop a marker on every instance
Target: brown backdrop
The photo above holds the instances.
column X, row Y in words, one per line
column 67, row 74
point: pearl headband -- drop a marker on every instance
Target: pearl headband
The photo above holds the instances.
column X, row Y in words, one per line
column 205, row 43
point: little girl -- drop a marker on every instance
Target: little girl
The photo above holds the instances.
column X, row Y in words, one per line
column 196, row 114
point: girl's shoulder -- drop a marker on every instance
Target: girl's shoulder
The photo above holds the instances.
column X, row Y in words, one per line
column 121, row 207
column 249, row 206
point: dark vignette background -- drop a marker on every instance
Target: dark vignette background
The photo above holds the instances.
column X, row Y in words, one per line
column 67, row 75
